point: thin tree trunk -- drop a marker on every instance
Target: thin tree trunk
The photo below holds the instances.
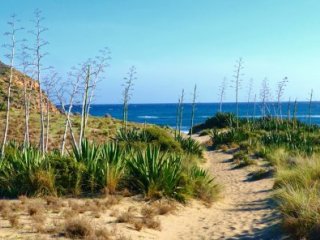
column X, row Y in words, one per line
column 177, row 119
column 48, row 125
column 5, row 134
column 84, row 107
column 181, row 112
column 193, row 108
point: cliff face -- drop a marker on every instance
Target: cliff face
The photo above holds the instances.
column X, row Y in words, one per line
column 17, row 99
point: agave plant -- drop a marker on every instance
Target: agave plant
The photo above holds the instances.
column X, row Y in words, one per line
column 88, row 154
column 155, row 173
column 112, row 165
column 190, row 146
column 131, row 135
column 202, row 184
column 27, row 172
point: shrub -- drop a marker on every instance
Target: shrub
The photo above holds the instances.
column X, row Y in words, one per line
column 78, row 228
column 220, row 120
column 228, row 137
column 155, row 173
column 26, row 173
column 88, row 154
column 201, row 185
column 132, row 135
column 191, row 146
column 113, row 164
column 68, row 173
column 160, row 137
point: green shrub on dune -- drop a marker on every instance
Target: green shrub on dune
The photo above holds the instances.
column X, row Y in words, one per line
column 91, row 169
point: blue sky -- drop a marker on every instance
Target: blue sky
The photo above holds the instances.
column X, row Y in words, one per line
column 177, row 43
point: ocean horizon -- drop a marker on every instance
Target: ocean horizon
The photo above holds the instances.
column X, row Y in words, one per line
column 164, row 114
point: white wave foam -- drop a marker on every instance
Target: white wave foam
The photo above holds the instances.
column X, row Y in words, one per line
column 148, row 117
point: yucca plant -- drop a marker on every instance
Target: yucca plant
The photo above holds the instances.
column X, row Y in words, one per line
column 131, row 135
column 231, row 136
column 88, row 154
column 202, row 185
column 190, row 145
column 112, row 165
column 27, row 172
column 155, row 173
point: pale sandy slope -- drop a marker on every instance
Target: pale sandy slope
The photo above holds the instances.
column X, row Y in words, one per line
column 244, row 212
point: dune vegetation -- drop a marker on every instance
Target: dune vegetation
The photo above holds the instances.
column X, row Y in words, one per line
column 286, row 149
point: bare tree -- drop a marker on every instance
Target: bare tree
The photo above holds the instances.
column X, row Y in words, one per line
column 11, row 56
column 264, row 96
column 193, row 110
column 254, row 105
column 98, row 67
column 181, row 111
column 249, row 95
column 84, row 104
column 49, row 82
column 27, row 88
column 128, row 87
column 280, row 90
column 237, row 84
column 177, row 118
column 75, row 80
column 37, row 49
column 222, row 93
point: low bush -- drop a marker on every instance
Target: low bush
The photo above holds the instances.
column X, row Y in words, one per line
column 190, row 146
column 220, row 120
column 155, row 173
column 230, row 136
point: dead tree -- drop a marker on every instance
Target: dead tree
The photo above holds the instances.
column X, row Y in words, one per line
column 84, row 104
column 177, row 118
column 181, row 112
column 11, row 56
column 75, row 80
column 193, row 110
column 249, row 95
column 280, row 90
column 49, row 82
column 37, row 49
column 222, row 93
column 237, row 84
column 27, row 88
column 128, row 87
column 97, row 68
column 254, row 105
column 264, row 96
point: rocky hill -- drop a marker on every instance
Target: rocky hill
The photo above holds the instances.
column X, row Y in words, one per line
column 17, row 100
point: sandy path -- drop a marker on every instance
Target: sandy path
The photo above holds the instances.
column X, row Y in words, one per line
column 244, row 212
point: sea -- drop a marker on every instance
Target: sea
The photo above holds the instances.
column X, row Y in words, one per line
column 164, row 114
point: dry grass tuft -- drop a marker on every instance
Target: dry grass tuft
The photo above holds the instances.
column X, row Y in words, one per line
column 165, row 207
column 5, row 209
column 78, row 228
column 125, row 217
column 35, row 208
column 69, row 213
column 138, row 225
column 111, row 201
column 14, row 220
column 102, row 234
column 152, row 223
column 23, row 199
column 148, row 211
